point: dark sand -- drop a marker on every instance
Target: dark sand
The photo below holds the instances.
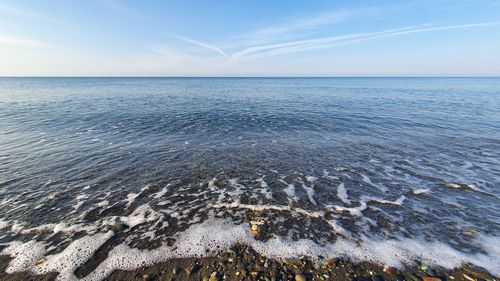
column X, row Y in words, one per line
column 242, row 263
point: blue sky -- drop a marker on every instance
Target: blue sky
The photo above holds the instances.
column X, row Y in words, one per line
column 249, row 38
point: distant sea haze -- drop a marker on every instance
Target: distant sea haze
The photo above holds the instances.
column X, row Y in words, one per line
column 381, row 169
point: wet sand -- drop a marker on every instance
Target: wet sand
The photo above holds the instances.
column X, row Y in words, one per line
column 242, row 263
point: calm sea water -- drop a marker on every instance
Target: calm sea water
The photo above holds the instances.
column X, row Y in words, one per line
column 379, row 168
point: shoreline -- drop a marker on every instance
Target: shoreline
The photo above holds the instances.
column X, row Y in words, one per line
column 243, row 263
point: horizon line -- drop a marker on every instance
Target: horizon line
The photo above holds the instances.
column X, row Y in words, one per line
column 250, row 76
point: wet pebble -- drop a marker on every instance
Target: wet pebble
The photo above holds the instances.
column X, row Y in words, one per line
column 477, row 272
column 255, row 231
column 117, row 227
column 427, row 278
column 300, row 277
column 213, row 277
column 467, row 277
column 413, row 277
column 390, row 270
column 330, row 262
column 293, row 262
column 240, row 265
column 194, row 268
column 424, row 267
column 176, row 270
column 148, row 277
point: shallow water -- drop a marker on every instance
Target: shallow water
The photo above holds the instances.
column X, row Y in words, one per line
column 388, row 169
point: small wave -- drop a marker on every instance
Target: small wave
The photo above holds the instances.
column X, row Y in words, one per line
column 214, row 235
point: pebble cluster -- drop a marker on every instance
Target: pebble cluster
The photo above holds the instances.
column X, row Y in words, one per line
column 243, row 263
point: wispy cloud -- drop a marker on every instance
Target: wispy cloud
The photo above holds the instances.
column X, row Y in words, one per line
column 283, row 48
column 23, row 42
column 9, row 9
column 258, row 51
column 118, row 7
column 296, row 27
column 199, row 44
column 265, row 51
column 311, row 22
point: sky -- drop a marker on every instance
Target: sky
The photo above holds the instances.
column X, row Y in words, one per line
column 250, row 38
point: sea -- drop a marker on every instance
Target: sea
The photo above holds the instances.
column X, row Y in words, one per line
column 387, row 170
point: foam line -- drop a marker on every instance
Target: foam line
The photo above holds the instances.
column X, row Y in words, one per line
column 342, row 194
column 419, row 191
column 4, row 224
column 77, row 253
column 367, row 180
column 310, row 193
column 215, row 235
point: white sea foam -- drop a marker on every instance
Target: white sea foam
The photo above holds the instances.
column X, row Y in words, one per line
column 470, row 186
column 310, row 193
column 342, row 194
column 132, row 196
column 355, row 211
column 327, row 175
column 367, row 179
column 264, row 188
column 52, row 196
column 80, row 199
column 219, row 234
column 142, row 214
column 102, row 203
column 211, row 184
column 419, row 191
column 263, row 183
column 238, row 189
column 290, row 192
column 4, row 223
column 214, row 235
column 78, row 252
column 398, row 201
column 160, row 193
column 311, row 179
column 453, row 185
column 63, row 227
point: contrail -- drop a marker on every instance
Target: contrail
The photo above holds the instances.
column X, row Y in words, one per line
column 198, row 43
column 326, row 42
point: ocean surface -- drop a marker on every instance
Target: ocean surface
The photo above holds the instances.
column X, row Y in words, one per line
column 146, row 169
